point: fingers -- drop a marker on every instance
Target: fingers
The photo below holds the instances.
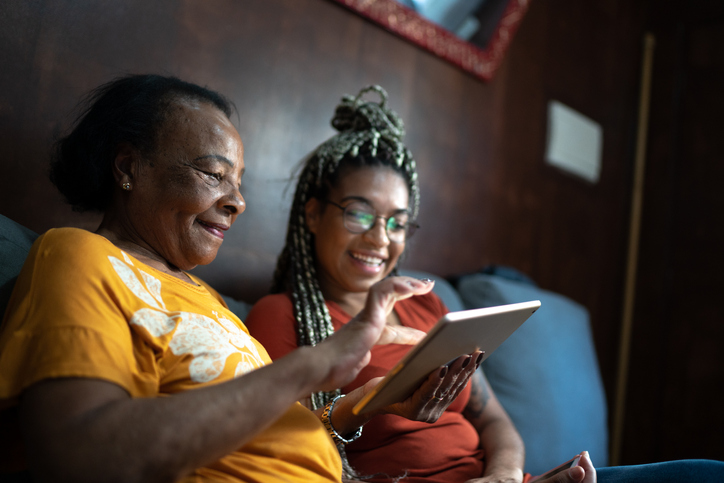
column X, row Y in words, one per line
column 431, row 387
column 583, row 473
column 458, row 375
column 440, row 389
column 384, row 294
column 445, row 384
column 392, row 334
column 587, row 465
column 347, row 350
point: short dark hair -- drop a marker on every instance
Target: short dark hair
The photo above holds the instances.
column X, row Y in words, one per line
column 127, row 110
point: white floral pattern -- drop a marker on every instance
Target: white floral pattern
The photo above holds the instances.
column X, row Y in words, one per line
column 209, row 341
column 132, row 282
column 154, row 287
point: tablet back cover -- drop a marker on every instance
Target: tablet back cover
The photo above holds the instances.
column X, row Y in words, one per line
column 457, row 333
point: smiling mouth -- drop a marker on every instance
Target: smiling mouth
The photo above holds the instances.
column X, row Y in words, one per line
column 371, row 261
column 215, row 230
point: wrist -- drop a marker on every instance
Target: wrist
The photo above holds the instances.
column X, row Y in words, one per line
column 505, row 473
column 340, row 439
column 308, row 368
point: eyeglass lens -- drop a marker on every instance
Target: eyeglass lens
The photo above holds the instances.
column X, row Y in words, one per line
column 360, row 217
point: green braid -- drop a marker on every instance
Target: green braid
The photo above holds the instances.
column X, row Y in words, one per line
column 366, row 129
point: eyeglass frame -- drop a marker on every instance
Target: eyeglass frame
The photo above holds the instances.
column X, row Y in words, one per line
column 410, row 227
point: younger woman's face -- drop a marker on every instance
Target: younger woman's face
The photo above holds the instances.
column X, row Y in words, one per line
column 352, row 262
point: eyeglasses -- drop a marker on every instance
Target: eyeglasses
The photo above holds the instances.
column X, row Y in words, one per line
column 360, row 217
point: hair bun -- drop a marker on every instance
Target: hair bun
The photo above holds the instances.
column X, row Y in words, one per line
column 353, row 114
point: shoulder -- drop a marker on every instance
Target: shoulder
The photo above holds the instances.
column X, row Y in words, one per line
column 271, row 322
column 69, row 237
column 71, row 244
column 70, row 252
column 270, row 312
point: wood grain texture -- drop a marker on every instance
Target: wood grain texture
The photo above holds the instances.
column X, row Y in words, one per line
column 487, row 195
column 677, row 356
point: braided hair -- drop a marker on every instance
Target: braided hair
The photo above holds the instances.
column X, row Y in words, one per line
column 370, row 134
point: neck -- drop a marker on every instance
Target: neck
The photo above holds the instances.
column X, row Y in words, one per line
column 139, row 250
column 352, row 303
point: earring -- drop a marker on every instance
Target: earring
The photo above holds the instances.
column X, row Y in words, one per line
column 126, row 186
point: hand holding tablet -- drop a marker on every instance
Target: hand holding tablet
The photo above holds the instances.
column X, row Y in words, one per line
column 456, row 333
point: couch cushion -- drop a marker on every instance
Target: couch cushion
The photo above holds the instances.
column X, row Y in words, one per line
column 15, row 243
column 546, row 374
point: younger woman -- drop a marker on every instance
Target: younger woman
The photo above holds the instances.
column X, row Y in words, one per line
column 354, row 209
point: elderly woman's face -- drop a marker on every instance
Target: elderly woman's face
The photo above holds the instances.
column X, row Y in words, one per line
column 186, row 194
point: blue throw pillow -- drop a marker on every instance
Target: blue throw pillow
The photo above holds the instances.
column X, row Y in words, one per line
column 546, row 374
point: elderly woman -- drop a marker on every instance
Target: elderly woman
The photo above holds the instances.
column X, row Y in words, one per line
column 119, row 364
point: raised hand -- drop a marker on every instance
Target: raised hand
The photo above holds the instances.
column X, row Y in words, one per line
column 347, row 351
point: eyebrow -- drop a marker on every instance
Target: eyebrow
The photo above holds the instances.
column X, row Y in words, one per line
column 367, row 202
column 217, row 157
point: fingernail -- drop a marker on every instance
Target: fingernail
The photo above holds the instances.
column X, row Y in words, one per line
column 443, row 371
column 426, row 280
column 467, row 361
column 479, row 360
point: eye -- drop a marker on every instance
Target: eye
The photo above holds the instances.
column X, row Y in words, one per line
column 397, row 224
column 359, row 215
column 214, row 178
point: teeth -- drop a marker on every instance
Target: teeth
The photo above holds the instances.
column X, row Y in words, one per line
column 368, row 260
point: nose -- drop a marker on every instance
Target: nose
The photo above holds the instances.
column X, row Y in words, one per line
column 378, row 232
column 234, row 202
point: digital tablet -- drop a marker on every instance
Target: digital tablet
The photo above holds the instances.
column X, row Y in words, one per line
column 455, row 334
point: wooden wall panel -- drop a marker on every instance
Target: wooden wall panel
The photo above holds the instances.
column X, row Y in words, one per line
column 677, row 359
column 488, row 197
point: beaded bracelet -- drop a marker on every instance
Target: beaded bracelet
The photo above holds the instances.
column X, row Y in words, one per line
column 339, row 440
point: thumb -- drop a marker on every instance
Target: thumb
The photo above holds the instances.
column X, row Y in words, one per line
column 575, row 474
column 393, row 334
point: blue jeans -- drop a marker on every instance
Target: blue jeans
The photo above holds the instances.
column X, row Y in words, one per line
column 679, row 471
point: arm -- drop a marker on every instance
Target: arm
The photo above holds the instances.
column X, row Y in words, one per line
column 91, row 430
column 504, row 450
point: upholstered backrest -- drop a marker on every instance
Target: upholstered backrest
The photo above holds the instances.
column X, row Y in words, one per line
column 15, row 243
column 546, row 374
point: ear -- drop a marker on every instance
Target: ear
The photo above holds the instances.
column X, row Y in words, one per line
column 312, row 214
column 125, row 164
